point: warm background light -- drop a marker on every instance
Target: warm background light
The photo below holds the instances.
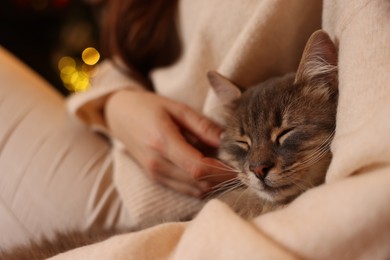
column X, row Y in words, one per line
column 76, row 74
column 90, row 56
column 52, row 36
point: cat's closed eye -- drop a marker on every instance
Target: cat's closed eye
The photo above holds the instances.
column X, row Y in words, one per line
column 244, row 142
column 283, row 135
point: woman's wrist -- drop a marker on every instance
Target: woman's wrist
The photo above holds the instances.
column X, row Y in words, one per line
column 114, row 105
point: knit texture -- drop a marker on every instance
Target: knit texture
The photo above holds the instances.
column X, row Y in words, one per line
column 349, row 216
column 247, row 41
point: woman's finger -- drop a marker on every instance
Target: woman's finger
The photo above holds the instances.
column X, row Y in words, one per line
column 215, row 177
column 188, row 158
column 200, row 126
column 157, row 166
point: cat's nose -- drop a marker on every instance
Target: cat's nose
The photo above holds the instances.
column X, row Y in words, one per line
column 261, row 170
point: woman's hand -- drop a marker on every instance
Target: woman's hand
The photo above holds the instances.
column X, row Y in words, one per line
column 154, row 130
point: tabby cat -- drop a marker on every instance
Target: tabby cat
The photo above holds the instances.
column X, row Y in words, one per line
column 277, row 139
column 278, row 133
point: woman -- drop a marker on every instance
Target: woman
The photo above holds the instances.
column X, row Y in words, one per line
column 151, row 99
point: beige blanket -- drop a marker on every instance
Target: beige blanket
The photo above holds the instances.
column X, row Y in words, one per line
column 349, row 216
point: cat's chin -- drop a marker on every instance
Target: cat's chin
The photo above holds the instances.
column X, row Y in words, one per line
column 279, row 195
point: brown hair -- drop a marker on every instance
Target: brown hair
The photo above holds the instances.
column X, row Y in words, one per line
column 142, row 33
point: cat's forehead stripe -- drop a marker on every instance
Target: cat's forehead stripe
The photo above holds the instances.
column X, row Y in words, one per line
column 263, row 115
column 278, row 117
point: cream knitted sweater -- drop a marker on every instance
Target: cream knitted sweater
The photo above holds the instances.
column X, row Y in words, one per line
column 248, row 41
column 349, row 216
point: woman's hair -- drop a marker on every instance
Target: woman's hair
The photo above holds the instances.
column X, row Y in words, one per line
column 142, row 33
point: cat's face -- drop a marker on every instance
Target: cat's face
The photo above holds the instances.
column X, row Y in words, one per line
column 278, row 133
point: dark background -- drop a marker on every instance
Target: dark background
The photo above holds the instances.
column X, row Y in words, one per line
column 40, row 32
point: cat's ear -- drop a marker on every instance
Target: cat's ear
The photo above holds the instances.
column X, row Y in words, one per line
column 226, row 90
column 319, row 60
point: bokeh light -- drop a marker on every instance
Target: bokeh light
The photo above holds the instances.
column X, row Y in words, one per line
column 66, row 62
column 90, row 56
column 76, row 74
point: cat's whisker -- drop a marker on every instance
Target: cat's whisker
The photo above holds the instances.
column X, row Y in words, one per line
column 302, row 185
column 314, row 159
column 232, row 183
column 227, row 182
column 222, row 190
column 318, row 153
column 223, row 167
column 208, row 177
column 324, row 144
column 237, row 200
column 228, row 188
column 311, row 161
